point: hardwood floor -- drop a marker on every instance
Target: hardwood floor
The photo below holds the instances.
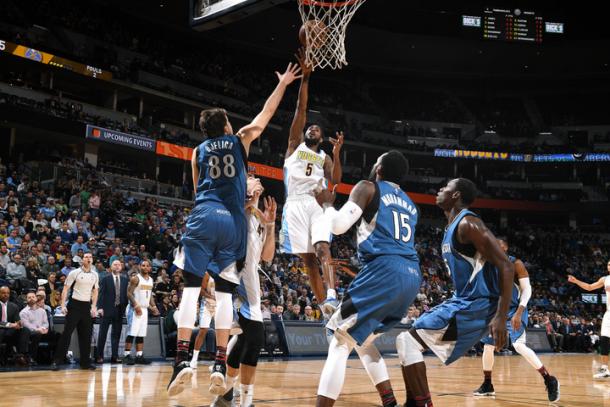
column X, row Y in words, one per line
column 294, row 383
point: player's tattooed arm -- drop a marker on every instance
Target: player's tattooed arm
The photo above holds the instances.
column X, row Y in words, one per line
column 133, row 283
column 472, row 230
column 300, row 114
column 585, row 286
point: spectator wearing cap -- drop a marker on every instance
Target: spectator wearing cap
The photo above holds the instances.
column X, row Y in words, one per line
column 79, row 245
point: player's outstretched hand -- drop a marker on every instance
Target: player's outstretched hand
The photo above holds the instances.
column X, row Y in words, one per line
column 498, row 331
column 337, row 143
column 291, row 74
column 571, row 279
column 300, row 56
column 270, row 213
column 323, row 195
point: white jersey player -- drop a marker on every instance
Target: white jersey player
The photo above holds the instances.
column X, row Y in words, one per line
column 245, row 348
column 604, row 341
column 139, row 293
column 207, row 308
column 306, row 166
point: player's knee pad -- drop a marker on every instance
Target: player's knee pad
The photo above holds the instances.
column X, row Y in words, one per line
column 409, row 350
column 191, row 280
column 139, row 340
column 223, row 318
column 234, row 357
column 604, row 345
column 187, row 315
column 255, row 338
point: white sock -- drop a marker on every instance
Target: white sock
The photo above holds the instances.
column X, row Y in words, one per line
column 333, row 374
column 231, row 382
column 605, row 367
column 247, row 394
column 488, row 358
column 139, row 353
column 528, row 355
column 195, row 356
column 331, row 294
column 127, row 352
column 373, row 363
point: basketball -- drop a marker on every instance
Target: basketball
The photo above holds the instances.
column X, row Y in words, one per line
column 316, row 31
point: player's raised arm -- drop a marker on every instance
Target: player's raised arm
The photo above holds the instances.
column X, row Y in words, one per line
column 586, row 286
column 332, row 168
column 253, row 130
column 268, row 218
column 342, row 220
column 300, row 114
column 472, row 230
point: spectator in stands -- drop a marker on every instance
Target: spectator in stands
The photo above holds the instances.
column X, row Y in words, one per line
column 13, row 241
column 66, row 235
column 67, row 268
column 555, row 338
column 10, row 327
column 35, row 321
column 110, row 232
column 94, row 204
column 50, row 267
column 309, row 315
column 5, row 257
column 15, row 270
column 79, row 245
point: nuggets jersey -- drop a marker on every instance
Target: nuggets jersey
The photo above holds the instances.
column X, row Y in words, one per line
column 303, row 170
column 143, row 291
column 249, row 288
column 222, row 165
column 472, row 276
column 388, row 224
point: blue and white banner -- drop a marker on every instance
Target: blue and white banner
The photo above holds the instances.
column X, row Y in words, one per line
column 124, row 139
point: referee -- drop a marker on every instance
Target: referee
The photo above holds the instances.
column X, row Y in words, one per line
column 79, row 313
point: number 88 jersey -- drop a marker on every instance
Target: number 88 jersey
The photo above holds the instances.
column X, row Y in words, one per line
column 388, row 224
column 303, row 170
column 223, row 167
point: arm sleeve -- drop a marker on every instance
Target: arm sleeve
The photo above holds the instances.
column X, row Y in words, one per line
column 340, row 221
column 526, row 291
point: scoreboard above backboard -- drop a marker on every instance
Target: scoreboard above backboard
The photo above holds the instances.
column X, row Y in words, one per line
column 512, row 25
column 209, row 14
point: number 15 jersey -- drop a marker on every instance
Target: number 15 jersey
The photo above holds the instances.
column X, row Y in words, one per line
column 388, row 224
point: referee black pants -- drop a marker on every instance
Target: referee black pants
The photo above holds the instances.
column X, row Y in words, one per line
column 79, row 318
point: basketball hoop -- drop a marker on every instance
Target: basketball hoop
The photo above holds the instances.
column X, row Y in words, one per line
column 325, row 24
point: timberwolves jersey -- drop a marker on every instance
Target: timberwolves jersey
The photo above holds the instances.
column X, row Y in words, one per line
column 514, row 302
column 388, row 224
column 249, row 288
column 303, row 170
column 472, row 276
column 222, row 165
column 143, row 291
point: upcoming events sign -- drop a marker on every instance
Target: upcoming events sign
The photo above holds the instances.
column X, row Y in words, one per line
column 124, row 139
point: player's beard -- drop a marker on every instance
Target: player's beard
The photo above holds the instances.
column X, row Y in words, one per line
column 373, row 174
column 312, row 143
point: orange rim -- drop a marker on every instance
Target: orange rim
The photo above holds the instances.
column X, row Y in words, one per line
column 328, row 3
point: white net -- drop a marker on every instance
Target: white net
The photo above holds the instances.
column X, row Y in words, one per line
column 325, row 24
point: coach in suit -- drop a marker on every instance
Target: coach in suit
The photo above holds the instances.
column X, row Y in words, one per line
column 10, row 326
column 111, row 304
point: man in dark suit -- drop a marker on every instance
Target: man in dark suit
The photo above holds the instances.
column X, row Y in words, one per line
column 111, row 304
column 10, row 326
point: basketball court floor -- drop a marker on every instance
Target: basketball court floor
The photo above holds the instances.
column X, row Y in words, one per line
column 294, row 383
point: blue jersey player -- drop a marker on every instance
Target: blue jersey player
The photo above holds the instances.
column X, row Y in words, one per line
column 388, row 282
column 216, row 228
column 516, row 324
column 482, row 278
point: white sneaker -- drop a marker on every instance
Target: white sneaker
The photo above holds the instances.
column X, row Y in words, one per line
column 194, row 364
column 601, row 374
